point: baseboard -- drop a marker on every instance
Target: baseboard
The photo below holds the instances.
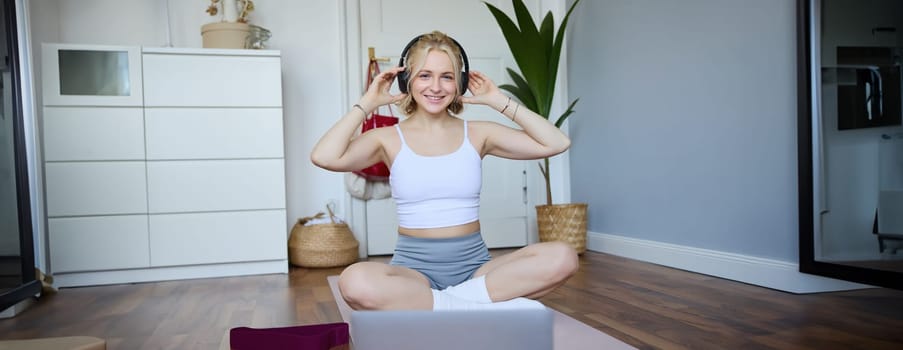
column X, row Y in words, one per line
column 77, row 279
column 769, row 273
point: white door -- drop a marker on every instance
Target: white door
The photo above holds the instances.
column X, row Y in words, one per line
column 387, row 26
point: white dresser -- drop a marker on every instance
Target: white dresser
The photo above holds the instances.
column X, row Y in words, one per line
column 163, row 163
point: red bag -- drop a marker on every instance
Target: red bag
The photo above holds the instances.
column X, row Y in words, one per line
column 378, row 171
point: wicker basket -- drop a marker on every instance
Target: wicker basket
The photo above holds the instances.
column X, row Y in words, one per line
column 322, row 245
column 564, row 223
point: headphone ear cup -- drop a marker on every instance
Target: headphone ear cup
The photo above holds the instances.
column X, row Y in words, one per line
column 402, row 79
column 465, row 79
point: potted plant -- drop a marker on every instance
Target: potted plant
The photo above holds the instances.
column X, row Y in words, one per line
column 537, row 51
column 233, row 30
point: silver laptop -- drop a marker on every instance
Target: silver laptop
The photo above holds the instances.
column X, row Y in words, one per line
column 448, row 330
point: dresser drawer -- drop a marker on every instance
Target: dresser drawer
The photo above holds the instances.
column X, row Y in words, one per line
column 93, row 133
column 215, row 185
column 96, row 188
column 203, row 238
column 98, row 243
column 214, row 133
column 173, row 80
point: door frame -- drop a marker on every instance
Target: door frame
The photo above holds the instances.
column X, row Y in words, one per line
column 352, row 81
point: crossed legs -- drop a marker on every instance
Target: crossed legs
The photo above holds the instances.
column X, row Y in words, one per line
column 377, row 286
column 532, row 271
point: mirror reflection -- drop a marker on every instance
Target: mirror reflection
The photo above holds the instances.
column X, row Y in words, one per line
column 104, row 73
column 10, row 257
column 859, row 138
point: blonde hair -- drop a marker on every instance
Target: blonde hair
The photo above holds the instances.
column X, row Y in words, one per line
column 416, row 58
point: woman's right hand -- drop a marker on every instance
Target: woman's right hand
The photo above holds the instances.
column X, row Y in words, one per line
column 378, row 92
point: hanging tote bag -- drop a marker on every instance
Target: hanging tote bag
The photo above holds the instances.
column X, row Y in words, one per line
column 378, row 171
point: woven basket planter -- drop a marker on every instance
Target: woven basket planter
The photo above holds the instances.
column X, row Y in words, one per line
column 322, row 245
column 563, row 223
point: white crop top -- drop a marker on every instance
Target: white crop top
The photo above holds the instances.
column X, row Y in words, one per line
column 436, row 191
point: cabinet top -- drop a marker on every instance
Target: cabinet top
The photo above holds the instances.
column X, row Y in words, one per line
column 166, row 50
column 212, row 52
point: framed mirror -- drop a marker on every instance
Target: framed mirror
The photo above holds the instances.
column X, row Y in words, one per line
column 850, row 139
column 17, row 268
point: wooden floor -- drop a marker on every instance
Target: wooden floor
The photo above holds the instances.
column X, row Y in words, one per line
column 647, row 306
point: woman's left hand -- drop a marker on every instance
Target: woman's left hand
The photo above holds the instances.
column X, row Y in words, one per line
column 484, row 91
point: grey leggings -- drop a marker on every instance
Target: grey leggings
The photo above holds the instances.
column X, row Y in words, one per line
column 444, row 261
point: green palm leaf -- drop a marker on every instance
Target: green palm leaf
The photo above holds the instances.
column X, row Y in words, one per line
column 527, row 49
column 526, row 95
column 556, row 49
column 564, row 116
column 537, row 52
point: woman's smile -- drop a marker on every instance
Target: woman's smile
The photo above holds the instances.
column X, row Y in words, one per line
column 434, row 98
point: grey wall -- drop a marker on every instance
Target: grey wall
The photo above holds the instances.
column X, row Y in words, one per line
column 685, row 132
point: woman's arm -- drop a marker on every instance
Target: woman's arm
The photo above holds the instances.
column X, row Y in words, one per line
column 338, row 149
column 538, row 139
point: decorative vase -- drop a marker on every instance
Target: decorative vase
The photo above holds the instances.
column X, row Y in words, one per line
column 563, row 223
column 225, row 35
column 230, row 10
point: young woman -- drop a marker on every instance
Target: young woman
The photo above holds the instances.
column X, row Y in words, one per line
column 440, row 260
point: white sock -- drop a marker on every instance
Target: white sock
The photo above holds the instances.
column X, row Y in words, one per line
column 474, row 290
column 444, row 301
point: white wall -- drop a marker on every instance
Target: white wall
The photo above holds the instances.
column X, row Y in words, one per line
column 306, row 32
column 685, row 132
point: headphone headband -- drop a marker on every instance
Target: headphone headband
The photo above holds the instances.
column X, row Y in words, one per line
column 403, row 76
